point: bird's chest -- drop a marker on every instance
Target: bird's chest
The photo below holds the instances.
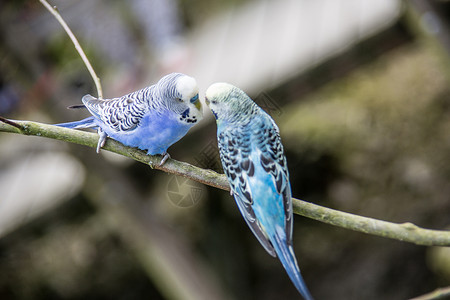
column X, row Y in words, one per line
column 155, row 133
column 159, row 131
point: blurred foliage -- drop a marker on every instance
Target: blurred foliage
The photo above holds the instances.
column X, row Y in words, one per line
column 69, row 254
column 195, row 11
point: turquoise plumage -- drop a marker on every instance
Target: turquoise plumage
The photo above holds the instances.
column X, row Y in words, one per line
column 150, row 119
column 253, row 160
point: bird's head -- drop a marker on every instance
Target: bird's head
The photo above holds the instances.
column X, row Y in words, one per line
column 180, row 92
column 229, row 103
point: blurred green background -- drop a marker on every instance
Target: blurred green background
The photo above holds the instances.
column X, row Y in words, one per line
column 364, row 120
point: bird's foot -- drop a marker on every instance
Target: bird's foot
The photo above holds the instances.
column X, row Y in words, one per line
column 164, row 159
column 101, row 140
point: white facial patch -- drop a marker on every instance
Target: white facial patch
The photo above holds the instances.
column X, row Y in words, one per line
column 187, row 87
column 217, row 89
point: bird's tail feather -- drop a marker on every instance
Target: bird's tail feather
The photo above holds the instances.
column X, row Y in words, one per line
column 286, row 255
column 76, row 106
column 85, row 123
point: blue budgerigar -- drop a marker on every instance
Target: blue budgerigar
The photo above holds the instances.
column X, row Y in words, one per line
column 253, row 160
column 150, row 119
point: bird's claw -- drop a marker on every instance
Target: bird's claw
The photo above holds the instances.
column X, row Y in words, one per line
column 101, row 140
column 164, row 159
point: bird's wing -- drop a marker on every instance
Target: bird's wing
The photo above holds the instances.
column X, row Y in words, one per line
column 238, row 160
column 274, row 162
column 120, row 114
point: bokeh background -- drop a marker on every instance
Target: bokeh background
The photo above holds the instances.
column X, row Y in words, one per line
column 360, row 90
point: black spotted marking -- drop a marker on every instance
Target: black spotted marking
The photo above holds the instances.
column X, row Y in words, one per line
column 248, row 196
column 265, row 161
column 248, row 166
column 185, row 113
column 245, row 164
column 268, row 164
column 186, row 118
column 279, row 183
column 251, row 170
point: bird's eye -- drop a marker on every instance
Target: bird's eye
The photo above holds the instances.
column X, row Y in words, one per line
column 180, row 100
column 210, row 101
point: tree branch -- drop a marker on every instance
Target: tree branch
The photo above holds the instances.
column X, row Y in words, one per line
column 442, row 293
column 406, row 232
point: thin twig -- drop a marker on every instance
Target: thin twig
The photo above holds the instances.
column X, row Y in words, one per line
column 441, row 293
column 406, row 232
column 54, row 11
column 10, row 122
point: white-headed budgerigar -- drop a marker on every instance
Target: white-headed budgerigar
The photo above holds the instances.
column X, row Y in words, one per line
column 151, row 119
column 253, row 160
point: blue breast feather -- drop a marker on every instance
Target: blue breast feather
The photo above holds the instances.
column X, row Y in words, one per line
column 155, row 133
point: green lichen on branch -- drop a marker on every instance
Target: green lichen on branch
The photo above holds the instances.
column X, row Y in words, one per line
column 406, row 232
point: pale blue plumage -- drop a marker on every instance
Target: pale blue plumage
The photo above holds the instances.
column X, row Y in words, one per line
column 150, row 119
column 253, row 160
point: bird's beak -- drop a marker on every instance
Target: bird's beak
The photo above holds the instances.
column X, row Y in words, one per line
column 195, row 100
column 198, row 105
column 206, row 100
